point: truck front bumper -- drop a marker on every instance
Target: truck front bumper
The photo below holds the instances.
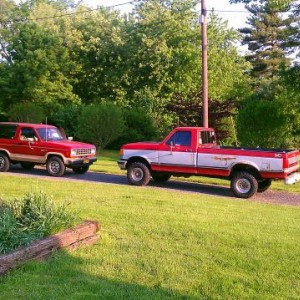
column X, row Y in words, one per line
column 80, row 162
column 122, row 164
column 293, row 178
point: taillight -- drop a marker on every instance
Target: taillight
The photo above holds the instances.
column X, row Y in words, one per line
column 121, row 152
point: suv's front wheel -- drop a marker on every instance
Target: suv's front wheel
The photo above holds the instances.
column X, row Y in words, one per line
column 55, row 166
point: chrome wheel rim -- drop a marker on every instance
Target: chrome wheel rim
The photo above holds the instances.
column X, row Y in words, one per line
column 54, row 167
column 137, row 174
column 243, row 186
column 2, row 162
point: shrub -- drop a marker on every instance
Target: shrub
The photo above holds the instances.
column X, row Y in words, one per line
column 26, row 112
column 100, row 124
column 138, row 127
column 34, row 216
column 262, row 123
column 67, row 118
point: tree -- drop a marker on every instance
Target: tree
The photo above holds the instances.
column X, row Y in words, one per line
column 26, row 112
column 100, row 124
column 263, row 124
column 266, row 39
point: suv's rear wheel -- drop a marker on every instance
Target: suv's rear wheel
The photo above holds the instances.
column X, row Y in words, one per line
column 244, row 184
column 55, row 166
column 138, row 174
column 80, row 170
column 4, row 163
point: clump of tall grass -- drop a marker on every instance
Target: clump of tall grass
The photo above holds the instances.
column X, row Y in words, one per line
column 35, row 216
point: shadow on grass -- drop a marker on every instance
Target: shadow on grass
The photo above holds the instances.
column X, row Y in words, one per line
column 63, row 276
column 99, row 177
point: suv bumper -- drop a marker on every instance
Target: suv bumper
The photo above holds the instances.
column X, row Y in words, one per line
column 79, row 162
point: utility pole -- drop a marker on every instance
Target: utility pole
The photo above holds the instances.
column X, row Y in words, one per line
column 204, row 63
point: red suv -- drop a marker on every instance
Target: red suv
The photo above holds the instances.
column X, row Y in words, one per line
column 31, row 144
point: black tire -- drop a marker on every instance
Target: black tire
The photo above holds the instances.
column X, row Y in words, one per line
column 55, row 166
column 4, row 162
column 244, row 185
column 27, row 165
column 80, row 170
column 264, row 185
column 138, row 174
column 160, row 177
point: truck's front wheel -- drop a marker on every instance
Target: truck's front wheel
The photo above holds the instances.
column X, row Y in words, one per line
column 138, row 174
column 55, row 166
column 244, row 185
column 4, row 163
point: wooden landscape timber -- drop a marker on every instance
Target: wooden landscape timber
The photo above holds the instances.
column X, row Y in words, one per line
column 83, row 234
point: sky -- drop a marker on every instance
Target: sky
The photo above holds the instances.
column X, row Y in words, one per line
column 234, row 13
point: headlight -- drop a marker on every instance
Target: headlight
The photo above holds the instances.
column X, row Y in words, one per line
column 93, row 151
column 73, row 152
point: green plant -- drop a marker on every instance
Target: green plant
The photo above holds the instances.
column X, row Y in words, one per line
column 139, row 126
column 26, row 112
column 100, row 124
column 34, row 216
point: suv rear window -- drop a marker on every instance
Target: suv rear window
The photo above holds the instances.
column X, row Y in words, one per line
column 7, row 131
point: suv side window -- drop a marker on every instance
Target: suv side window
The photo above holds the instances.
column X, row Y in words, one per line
column 7, row 131
column 180, row 138
column 27, row 133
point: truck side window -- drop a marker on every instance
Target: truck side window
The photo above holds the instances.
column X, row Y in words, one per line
column 180, row 138
column 27, row 133
column 7, row 131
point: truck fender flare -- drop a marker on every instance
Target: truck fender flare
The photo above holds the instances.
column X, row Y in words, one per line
column 138, row 159
column 244, row 166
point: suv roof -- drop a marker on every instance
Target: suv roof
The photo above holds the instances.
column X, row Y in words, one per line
column 26, row 124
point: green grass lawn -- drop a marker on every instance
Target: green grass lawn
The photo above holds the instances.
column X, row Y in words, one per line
column 158, row 244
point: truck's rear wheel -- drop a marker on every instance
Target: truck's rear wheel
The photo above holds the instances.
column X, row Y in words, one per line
column 55, row 166
column 160, row 177
column 244, row 185
column 264, row 185
column 138, row 174
column 4, row 163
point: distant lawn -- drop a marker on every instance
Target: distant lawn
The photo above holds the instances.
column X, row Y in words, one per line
column 160, row 244
column 107, row 163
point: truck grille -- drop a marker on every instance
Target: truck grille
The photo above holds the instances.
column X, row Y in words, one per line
column 83, row 151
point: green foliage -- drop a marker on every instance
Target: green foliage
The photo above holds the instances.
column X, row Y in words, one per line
column 266, row 38
column 262, row 123
column 100, row 124
column 34, row 216
column 138, row 127
column 66, row 117
column 26, row 112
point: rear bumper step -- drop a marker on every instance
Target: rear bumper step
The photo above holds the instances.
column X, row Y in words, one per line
column 292, row 179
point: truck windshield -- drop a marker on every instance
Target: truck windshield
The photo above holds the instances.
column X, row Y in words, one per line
column 50, row 134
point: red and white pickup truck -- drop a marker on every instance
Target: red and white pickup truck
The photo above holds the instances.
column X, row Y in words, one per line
column 31, row 144
column 189, row 151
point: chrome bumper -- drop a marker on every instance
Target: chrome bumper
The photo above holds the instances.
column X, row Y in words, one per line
column 292, row 179
column 122, row 164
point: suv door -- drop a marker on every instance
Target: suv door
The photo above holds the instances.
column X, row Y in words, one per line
column 27, row 146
